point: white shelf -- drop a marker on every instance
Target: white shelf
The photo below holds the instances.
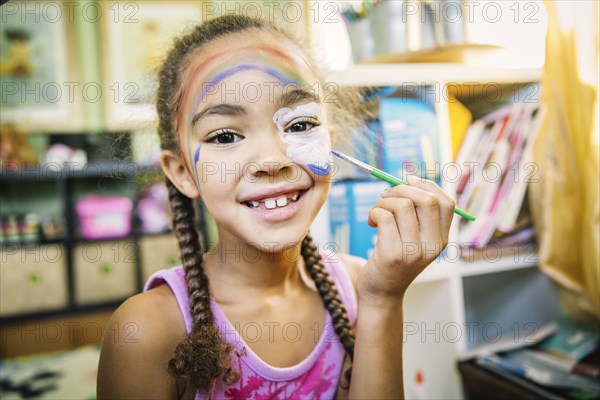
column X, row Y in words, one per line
column 507, row 263
column 445, row 269
column 434, row 272
column 429, row 73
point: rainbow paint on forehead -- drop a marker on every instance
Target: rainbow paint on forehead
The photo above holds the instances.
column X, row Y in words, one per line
column 268, row 60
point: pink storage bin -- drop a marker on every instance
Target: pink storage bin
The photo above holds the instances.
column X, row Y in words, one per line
column 104, row 217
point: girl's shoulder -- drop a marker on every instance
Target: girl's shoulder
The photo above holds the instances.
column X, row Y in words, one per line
column 140, row 339
column 157, row 307
column 152, row 319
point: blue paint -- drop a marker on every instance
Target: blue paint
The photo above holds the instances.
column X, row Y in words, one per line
column 321, row 171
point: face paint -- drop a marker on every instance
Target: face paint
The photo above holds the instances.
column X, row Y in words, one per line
column 268, row 60
column 310, row 148
column 196, row 158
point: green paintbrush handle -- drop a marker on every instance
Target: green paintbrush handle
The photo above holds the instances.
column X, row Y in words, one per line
column 391, row 179
column 384, row 176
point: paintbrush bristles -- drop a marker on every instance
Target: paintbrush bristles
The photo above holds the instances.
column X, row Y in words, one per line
column 359, row 164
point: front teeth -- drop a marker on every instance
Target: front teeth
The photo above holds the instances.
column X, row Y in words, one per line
column 275, row 202
column 282, row 202
column 270, row 203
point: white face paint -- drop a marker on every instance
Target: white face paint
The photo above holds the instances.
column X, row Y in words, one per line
column 311, row 147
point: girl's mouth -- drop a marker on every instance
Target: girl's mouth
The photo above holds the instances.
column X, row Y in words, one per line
column 275, row 202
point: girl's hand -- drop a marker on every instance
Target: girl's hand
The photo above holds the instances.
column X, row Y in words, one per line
column 413, row 222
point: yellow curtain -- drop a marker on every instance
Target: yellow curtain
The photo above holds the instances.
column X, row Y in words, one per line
column 565, row 200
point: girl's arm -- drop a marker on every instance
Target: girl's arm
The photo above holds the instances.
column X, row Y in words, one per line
column 377, row 366
column 413, row 223
column 136, row 348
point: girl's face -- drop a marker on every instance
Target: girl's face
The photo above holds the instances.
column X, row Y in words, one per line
column 254, row 136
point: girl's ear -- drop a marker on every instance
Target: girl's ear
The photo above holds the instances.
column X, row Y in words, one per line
column 178, row 174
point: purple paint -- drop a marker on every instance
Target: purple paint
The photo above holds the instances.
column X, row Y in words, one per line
column 197, row 155
column 196, row 158
column 241, row 68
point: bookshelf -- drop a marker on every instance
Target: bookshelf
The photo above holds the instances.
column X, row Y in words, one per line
column 428, row 73
column 460, row 306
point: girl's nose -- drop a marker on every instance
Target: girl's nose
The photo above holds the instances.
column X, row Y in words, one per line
column 270, row 157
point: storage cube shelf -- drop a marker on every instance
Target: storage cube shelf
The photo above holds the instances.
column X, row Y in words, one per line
column 462, row 303
column 71, row 273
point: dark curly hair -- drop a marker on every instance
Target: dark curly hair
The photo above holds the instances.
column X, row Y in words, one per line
column 204, row 343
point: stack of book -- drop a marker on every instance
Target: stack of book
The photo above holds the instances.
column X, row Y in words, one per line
column 565, row 365
column 496, row 165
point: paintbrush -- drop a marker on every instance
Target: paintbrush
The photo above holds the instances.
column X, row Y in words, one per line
column 391, row 179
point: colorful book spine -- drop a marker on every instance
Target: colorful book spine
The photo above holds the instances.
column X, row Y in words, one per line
column 494, row 157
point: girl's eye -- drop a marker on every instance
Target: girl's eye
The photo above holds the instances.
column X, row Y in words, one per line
column 223, row 137
column 302, row 125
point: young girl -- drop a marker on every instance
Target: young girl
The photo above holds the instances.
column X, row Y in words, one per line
column 263, row 314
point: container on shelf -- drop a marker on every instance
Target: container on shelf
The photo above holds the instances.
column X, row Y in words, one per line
column 388, row 27
column 104, row 217
column 361, row 39
column 33, row 278
column 104, row 272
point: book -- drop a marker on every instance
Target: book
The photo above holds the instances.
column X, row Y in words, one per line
column 565, row 364
column 522, row 160
column 493, row 186
column 523, row 364
column 554, row 363
column 349, row 205
column 460, row 120
column 520, row 364
column 572, row 340
column 409, row 138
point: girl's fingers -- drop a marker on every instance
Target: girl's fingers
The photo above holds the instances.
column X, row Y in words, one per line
column 444, row 203
column 428, row 212
column 405, row 217
column 418, row 215
column 387, row 229
column 447, row 203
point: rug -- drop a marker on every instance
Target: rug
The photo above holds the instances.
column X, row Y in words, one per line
column 56, row 376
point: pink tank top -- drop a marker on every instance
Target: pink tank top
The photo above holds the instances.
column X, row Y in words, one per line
column 315, row 377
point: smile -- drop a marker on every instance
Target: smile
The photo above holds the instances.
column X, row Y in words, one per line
column 274, row 202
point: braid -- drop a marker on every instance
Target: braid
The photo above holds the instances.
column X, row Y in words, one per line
column 330, row 296
column 204, row 342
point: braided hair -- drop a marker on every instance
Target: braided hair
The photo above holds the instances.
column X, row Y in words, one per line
column 204, row 356
column 330, row 296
